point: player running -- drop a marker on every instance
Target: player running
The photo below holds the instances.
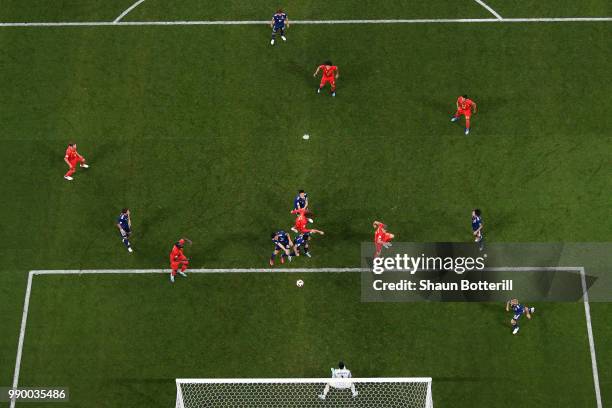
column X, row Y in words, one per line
column 282, row 242
column 330, row 74
column 279, row 23
column 72, row 158
column 301, row 200
column 518, row 310
column 382, row 238
column 303, row 218
column 340, row 372
column 178, row 259
column 464, row 107
column 124, row 223
column 301, row 242
column 477, row 226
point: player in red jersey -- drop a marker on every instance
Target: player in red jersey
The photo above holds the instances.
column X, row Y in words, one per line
column 72, row 158
column 302, row 219
column 178, row 259
column 465, row 107
column 330, row 74
column 382, row 238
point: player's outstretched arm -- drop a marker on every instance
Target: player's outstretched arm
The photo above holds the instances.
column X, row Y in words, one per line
column 316, row 72
column 475, row 107
column 314, row 231
column 337, row 73
column 507, row 306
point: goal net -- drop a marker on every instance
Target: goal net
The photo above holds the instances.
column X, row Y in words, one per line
column 304, row 393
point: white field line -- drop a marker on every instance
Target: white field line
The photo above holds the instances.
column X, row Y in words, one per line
column 32, row 273
column 587, row 313
column 230, row 270
column 308, row 22
column 24, row 321
column 125, row 13
column 489, row 9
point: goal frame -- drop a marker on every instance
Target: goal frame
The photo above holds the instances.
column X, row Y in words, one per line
column 331, row 381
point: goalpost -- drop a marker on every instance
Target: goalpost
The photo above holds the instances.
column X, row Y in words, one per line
column 304, row 392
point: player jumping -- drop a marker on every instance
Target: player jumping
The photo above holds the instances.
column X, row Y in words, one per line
column 72, row 158
column 464, row 107
column 382, row 238
column 303, row 218
column 477, row 226
column 178, row 259
column 330, row 74
column 282, row 242
column 301, row 200
column 340, row 372
column 301, row 242
column 279, row 23
column 518, row 310
column 124, row 223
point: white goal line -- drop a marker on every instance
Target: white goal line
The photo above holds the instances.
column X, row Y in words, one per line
column 306, row 22
column 32, row 273
column 301, row 380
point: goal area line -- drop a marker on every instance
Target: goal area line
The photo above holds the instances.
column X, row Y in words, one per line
column 33, row 273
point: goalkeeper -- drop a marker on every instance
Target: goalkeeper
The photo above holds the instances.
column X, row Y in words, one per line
column 340, row 372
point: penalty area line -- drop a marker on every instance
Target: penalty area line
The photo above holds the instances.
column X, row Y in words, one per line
column 489, row 9
column 198, row 271
column 118, row 22
column 128, row 10
column 31, row 274
column 587, row 314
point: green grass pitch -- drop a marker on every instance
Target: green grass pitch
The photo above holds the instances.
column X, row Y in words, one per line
column 198, row 129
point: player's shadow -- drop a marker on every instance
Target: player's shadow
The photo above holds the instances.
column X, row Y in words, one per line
column 304, row 73
column 494, row 309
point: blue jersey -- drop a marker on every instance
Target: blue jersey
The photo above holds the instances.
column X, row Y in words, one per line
column 301, row 239
column 476, row 222
column 124, row 222
column 300, row 202
column 281, row 237
column 279, row 20
column 518, row 310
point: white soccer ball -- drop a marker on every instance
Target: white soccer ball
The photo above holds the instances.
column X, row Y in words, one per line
column 299, row 283
column 306, row 136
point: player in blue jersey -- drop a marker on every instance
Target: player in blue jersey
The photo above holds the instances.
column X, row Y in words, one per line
column 282, row 242
column 477, row 225
column 300, row 201
column 279, row 23
column 518, row 310
column 124, row 223
column 301, row 242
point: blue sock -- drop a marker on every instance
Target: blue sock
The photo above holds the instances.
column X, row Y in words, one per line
column 126, row 242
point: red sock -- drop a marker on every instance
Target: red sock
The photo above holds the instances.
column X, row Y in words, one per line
column 183, row 268
column 467, row 123
column 70, row 172
column 173, row 273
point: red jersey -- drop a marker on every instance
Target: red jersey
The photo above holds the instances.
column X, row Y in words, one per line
column 380, row 232
column 177, row 255
column 328, row 70
column 301, row 221
column 71, row 154
column 465, row 103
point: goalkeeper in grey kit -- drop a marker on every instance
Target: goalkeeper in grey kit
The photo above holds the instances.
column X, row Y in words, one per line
column 340, row 372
